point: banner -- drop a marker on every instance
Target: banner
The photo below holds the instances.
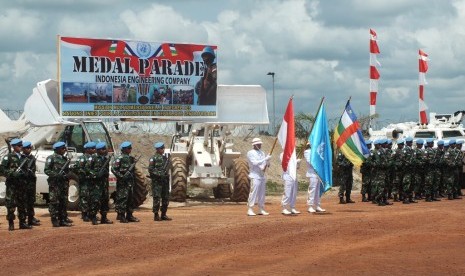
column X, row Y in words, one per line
column 134, row 79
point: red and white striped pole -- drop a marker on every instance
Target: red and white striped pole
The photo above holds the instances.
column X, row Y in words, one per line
column 422, row 68
column 374, row 74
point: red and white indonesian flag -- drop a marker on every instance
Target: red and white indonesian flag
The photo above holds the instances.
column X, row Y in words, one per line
column 286, row 137
column 422, row 66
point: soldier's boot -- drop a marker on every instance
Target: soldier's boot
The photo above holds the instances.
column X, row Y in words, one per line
column 435, row 197
column 64, row 223
column 11, row 225
column 386, row 202
column 369, row 198
column 55, row 222
column 348, row 200
column 94, row 220
column 165, row 217
column 406, row 201
column 341, row 200
column 390, row 196
column 456, row 196
column 428, row 198
column 121, row 218
column 396, row 198
column 156, row 217
column 85, row 217
column 105, row 220
column 32, row 222
column 401, row 197
column 364, row 198
column 68, row 220
column 35, row 220
column 131, row 218
column 24, row 225
column 450, row 197
column 411, row 200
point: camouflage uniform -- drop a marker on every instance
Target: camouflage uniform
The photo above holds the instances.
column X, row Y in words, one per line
column 380, row 168
column 430, row 172
column 58, row 188
column 84, row 175
column 397, row 164
column 439, row 186
column 121, row 168
column 365, row 170
column 15, row 189
column 390, row 174
column 160, row 184
column 345, row 178
column 458, row 170
column 98, row 166
column 449, row 172
column 31, row 181
column 419, row 172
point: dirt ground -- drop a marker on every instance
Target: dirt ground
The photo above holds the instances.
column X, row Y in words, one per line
column 210, row 237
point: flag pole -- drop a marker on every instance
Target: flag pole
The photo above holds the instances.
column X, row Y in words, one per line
column 299, row 154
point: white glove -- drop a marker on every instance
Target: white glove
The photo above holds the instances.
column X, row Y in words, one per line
column 268, row 157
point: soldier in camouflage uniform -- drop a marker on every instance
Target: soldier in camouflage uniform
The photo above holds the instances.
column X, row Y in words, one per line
column 459, row 164
column 379, row 174
column 397, row 164
column 85, row 176
column 440, row 190
column 31, row 180
column 158, row 170
column 419, row 169
column 457, row 160
column 15, row 185
column 431, row 177
column 57, row 169
column 365, row 170
column 99, row 166
column 449, row 162
column 408, row 170
column 124, row 168
column 390, row 169
column 345, row 178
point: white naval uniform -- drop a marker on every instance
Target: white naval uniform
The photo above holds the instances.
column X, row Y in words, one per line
column 257, row 164
column 290, row 189
column 314, row 199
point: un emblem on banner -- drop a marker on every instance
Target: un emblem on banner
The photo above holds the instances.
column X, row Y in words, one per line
column 143, row 49
column 321, row 151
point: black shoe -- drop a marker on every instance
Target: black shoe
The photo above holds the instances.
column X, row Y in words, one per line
column 165, row 217
column 131, row 218
column 68, row 220
column 11, row 225
column 457, row 197
column 156, row 217
column 35, row 220
column 341, row 200
column 381, row 203
column 32, row 222
column 406, row 201
column 348, row 200
column 450, row 197
column 85, row 218
column 436, row 199
column 55, row 223
column 23, row 225
column 94, row 221
column 388, row 203
column 105, row 220
column 428, row 199
column 64, row 223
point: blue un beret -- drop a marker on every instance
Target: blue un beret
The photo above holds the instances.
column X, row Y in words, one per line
column 368, row 142
column 408, row 139
column 389, row 141
column 101, row 145
column 451, row 141
column 446, row 144
column 125, row 144
column 159, row 145
column 420, row 141
column 400, row 141
column 27, row 144
column 440, row 142
column 459, row 142
column 89, row 145
column 58, row 145
column 15, row 142
column 429, row 140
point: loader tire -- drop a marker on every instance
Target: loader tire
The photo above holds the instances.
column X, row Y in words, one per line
column 178, row 179
column 139, row 191
column 73, row 192
column 222, row 191
column 241, row 185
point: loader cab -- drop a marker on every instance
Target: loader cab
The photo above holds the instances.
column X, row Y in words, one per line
column 75, row 136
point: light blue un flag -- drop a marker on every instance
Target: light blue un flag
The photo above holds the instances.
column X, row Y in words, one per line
column 321, row 156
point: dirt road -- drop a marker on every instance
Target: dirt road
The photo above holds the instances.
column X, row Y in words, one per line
column 214, row 238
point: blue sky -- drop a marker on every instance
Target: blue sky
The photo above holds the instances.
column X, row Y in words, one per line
column 315, row 48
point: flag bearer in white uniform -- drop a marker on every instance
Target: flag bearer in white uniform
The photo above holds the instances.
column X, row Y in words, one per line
column 258, row 161
column 290, row 192
column 314, row 199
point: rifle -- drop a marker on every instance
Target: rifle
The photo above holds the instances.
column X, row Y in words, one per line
column 128, row 172
column 103, row 168
column 65, row 167
column 167, row 162
column 20, row 168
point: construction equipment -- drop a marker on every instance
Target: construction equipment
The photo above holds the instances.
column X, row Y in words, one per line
column 202, row 153
column 42, row 126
